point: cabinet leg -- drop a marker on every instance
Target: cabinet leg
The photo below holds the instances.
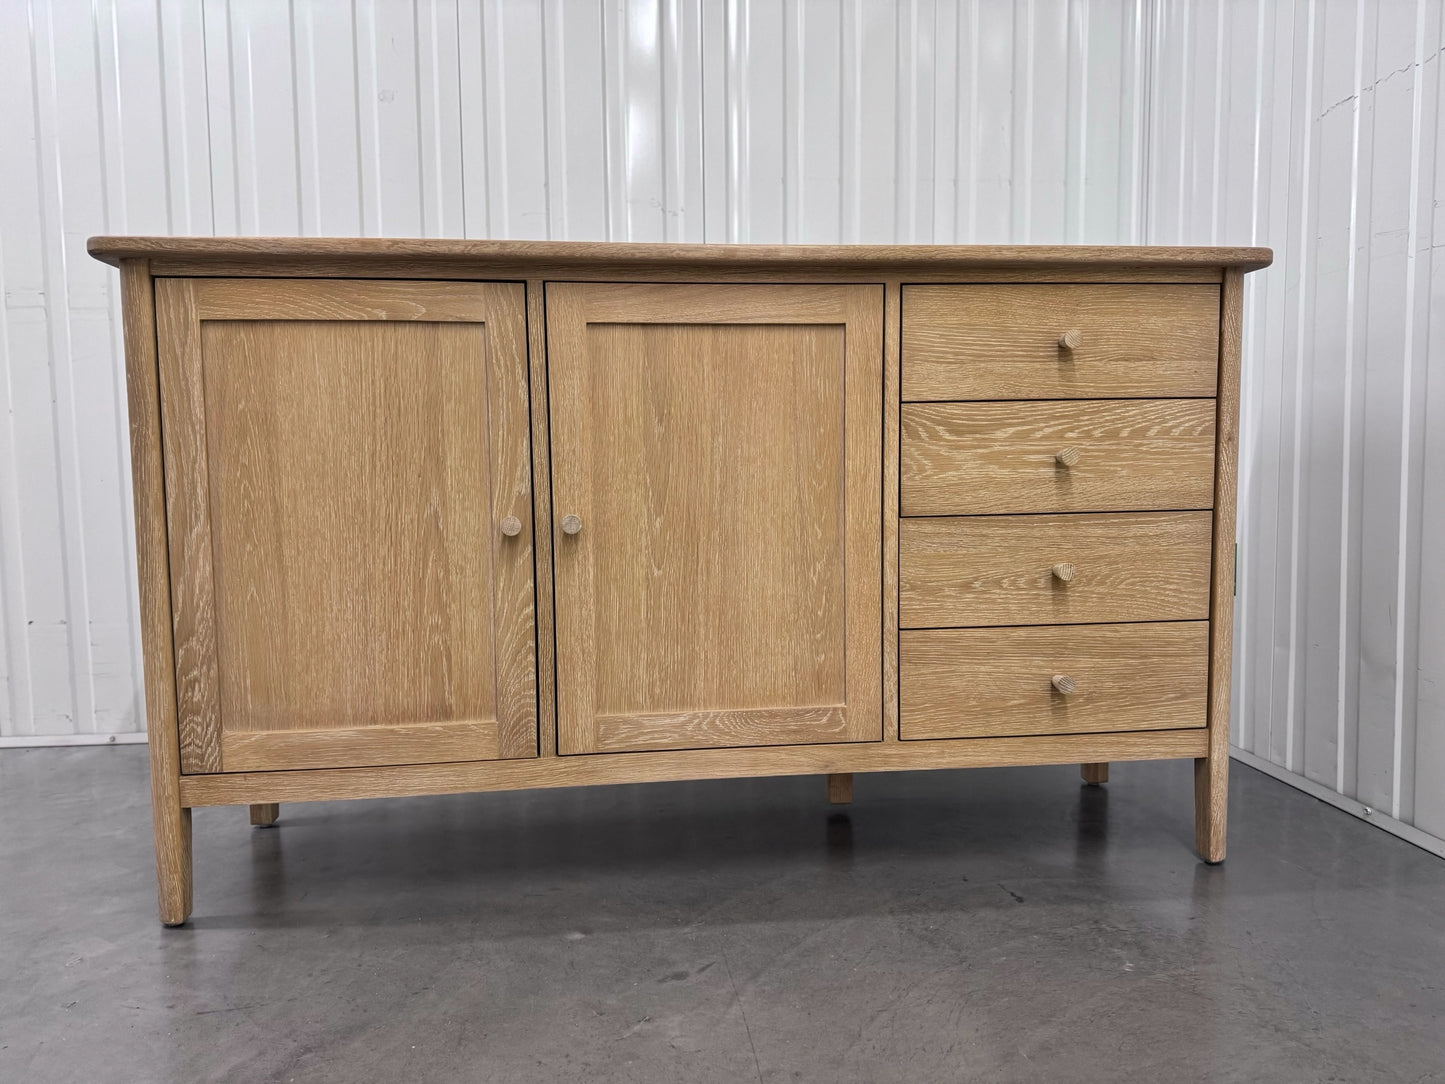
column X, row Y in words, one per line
column 173, row 861
column 1094, row 774
column 264, row 816
column 840, row 788
column 1211, row 792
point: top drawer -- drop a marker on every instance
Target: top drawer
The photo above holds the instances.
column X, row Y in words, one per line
column 1059, row 342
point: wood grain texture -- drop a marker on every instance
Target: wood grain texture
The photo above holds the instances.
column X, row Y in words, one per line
column 542, row 519
column 1211, row 772
column 241, row 788
column 348, row 571
column 356, row 747
column 840, row 788
column 265, row 814
column 736, row 729
column 188, row 509
column 1004, row 342
column 891, row 380
column 975, row 458
column 726, row 586
column 171, row 822
column 997, row 682
column 434, row 250
column 1094, row 774
column 1005, row 570
column 346, row 299
column 661, row 270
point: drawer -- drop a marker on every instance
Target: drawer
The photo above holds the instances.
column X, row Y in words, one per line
column 963, row 683
column 1004, row 342
column 1000, row 570
column 981, row 458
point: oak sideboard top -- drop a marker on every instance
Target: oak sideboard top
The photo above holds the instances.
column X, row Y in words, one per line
column 447, row 257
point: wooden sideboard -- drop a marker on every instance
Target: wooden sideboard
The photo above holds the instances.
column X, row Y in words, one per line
column 418, row 517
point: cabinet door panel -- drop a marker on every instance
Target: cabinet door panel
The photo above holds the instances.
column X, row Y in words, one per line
column 721, row 448
column 339, row 456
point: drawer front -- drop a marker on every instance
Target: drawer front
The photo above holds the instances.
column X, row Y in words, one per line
column 1059, row 342
column 1090, row 456
column 964, row 683
column 1054, row 570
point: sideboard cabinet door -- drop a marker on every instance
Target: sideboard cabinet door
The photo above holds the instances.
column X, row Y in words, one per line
column 717, row 492
column 343, row 462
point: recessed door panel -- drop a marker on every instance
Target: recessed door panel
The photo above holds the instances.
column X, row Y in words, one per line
column 340, row 458
column 717, row 449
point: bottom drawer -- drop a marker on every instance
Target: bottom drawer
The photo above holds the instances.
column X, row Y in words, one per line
column 965, row 683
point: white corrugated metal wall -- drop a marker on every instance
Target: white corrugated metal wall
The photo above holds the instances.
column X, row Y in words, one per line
column 1308, row 126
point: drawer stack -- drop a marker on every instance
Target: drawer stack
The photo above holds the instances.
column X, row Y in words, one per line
column 1056, row 487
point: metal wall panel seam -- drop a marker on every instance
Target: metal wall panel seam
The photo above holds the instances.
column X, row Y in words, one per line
column 1219, row 125
column 1144, row 47
column 16, row 170
column 14, row 646
column 49, row 120
column 1347, row 454
column 1078, row 171
column 1296, row 466
column 1403, row 601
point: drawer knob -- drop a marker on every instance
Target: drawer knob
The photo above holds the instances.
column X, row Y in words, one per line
column 1063, row 683
column 511, row 526
column 1064, row 572
column 1066, row 457
column 1071, row 340
column 571, row 524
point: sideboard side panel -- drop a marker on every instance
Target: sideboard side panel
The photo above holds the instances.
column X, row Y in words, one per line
column 172, row 822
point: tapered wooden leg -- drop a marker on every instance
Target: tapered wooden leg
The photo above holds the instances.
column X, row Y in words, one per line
column 1211, row 772
column 264, row 816
column 1094, row 774
column 840, row 788
column 1211, row 803
column 173, row 862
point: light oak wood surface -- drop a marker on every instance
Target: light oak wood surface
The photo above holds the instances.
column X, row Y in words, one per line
column 265, row 815
column 170, row 820
column 982, row 458
column 1094, row 774
column 719, row 446
column 242, row 788
column 725, row 430
column 1013, row 341
column 959, row 683
column 1211, row 772
column 600, row 258
column 541, row 444
column 892, row 294
column 343, row 455
column 1054, row 570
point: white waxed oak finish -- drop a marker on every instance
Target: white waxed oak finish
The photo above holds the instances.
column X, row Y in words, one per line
column 1007, row 570
column 1054, row 679
column 425, row 517
column 1060, row 342
column 1111, row 455
column 721, row 443
column 337, row 455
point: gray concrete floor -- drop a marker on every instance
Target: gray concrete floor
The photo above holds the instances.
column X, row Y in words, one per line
column 986, row 925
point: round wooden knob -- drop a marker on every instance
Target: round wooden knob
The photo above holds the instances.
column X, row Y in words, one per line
column 1064, row 572
column 1066, row 457
column 1071, row 340
column 511, row 526
column 1063, row 683
column 571, row 524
